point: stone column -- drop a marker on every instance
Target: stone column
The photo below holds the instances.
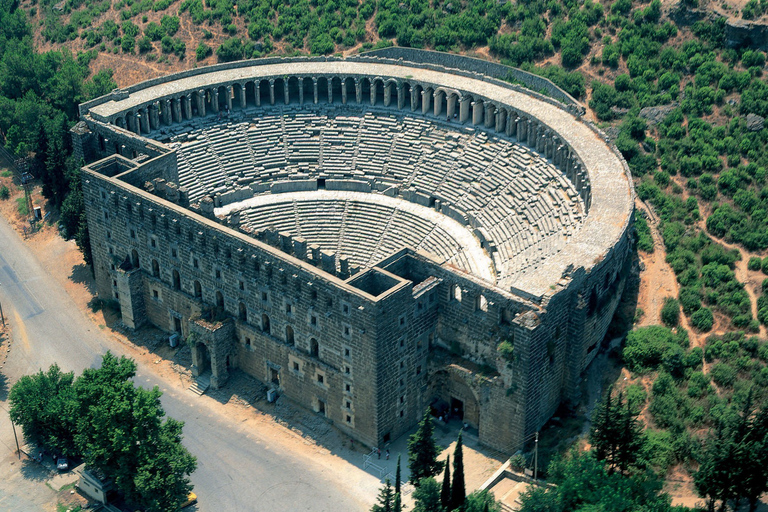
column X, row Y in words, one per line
column 271, row 92
column 426, row 101
column 414, row 98
column 464, row 109
column 344, row 91
column 387, row 94
column 501, row 118
column 243, row 100
column 373, row 92
column 154, row 115
column 144, row 120
column 286, row 94
column 451, row 108
column 301, row 92
column 167, row 112
column 358, row 91
column 400, row 97
column 329, row 84
column 134, row 124
column 187, row 106
column 257, row 92
column 314, row 89
column 477, row 112
column 201, row 103
column 215, row 100
column 437, row 108
column 228, row 92
column 488, row 115
column 512, row 125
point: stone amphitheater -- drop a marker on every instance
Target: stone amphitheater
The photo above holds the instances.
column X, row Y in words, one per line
column 368, row 236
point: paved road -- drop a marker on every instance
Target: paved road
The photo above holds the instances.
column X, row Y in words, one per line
column 238, row 470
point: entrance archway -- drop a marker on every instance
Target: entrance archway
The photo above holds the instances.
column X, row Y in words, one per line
column 202, row 359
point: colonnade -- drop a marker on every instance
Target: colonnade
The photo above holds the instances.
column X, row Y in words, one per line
column 451, row 104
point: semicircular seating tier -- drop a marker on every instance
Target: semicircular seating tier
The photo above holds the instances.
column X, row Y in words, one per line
column 526, row 208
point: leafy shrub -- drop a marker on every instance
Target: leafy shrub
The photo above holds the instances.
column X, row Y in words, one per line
column 723, row 374
column 506, row 350
column 643, row 233
column 670, row 312
column 754, row 263
column 4, row 193
column 203, row 51
column 703, row 319
column 648, row 347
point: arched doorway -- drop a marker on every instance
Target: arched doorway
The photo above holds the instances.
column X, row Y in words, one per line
column 135, row 258
column 242, row 313
column 314, row 348
column 198, row 290
column 289, row 338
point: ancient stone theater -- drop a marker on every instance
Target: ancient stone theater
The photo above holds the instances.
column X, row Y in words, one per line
column 367, row 236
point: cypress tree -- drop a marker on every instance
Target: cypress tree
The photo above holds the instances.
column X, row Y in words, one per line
column 398, row 504
column 445, row 491
column 422, row 452
column 458, row 492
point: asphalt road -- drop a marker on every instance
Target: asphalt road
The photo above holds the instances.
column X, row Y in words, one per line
column 238, row 470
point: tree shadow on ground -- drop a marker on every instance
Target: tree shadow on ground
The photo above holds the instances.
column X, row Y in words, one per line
column 81, row 274
column 3, row 387
column 32, row 470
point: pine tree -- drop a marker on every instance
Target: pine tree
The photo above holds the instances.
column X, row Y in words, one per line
column 422, row 452
column 445, row 490
column 385, row 500
column 458, row 491
column 630, row 440
column 602, row 433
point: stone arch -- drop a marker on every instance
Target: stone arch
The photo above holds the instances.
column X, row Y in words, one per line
column 265, row 97
column 294, row 85
column 322, row 89
column 250, row 94
column 219, row 299
column 120, row 121
column 289, row 335
column 415, row 93
column 237, row 93
column 451, row 389
column 135, row 259
column 336, row 85
column 131, row 121
column 266, row 328
column 308, row 86
column 242, row 312
column 348, row 88
column 155, row 268
column 176, row 280
column 406, row 92
column 376, row 91
column 279, row 86
column 456, row 293
column 365, row 89
column 198, row 290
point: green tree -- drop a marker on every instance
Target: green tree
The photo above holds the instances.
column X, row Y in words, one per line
column 385, row 501
column 44, row 405
column 445, row 489
column 482, row 501
column 583, row 484
column 427, row 496
column 458, row 490
column 423, row 452
column 616, row 433
column 121, row 432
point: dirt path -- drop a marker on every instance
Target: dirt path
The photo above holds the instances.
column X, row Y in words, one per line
column 657, row 280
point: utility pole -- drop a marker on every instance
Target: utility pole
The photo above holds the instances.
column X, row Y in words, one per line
column 536, row 458
column 18, row 450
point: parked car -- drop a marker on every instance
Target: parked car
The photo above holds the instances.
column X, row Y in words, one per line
column 62, row 464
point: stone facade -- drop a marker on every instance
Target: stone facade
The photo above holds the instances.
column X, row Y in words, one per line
column 368, row 346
